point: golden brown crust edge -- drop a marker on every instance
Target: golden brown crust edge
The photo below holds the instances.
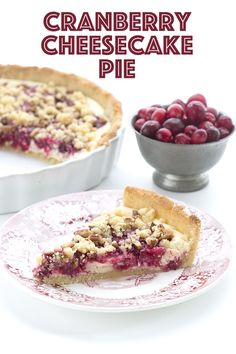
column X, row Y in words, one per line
column 66, row 279
column 170, row 212
column 111, row 106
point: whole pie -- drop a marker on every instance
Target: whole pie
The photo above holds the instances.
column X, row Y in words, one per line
column 148, row 233
column 54, row 115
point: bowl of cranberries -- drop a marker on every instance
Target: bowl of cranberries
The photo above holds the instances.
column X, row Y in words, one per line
column 182, row 141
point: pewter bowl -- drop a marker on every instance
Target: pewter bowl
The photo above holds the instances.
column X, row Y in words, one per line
column 180, row 168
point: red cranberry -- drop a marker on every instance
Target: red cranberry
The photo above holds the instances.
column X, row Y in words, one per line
column 139, row 123
column 145, row 113
column 223, row 132
column 180, row 102
column 149, row 128
column 226, row 122
column 195, row 111
column 205, row 125
column 182, row 138
column 190, row 129
column 142, row 113
column 212, row 110
column 164, row 135
column 159, row 115
column 175, row 111
column 198, row 97
column 210, row 117
column 176, row 125
column 185, row 119
column 149, row 112
column 199, row 136
column 213, row 134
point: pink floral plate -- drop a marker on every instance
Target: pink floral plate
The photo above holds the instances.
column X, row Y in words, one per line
column 48, row 223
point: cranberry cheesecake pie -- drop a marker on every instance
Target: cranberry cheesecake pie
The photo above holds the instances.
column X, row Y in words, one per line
column 149, row 233
column 54, row 115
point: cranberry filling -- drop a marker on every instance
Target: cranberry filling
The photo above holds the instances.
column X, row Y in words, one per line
column 69, row 268
column 66, row 148
column 20, row 137
column 172, row 265
column 148, row 256
column 17, row 137
column 45, row 143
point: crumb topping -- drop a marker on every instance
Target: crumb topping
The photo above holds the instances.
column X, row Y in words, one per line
column 49, row 114
column 123, row 229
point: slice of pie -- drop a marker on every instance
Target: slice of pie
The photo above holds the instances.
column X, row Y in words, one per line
column 149, row 233
column 54, row 115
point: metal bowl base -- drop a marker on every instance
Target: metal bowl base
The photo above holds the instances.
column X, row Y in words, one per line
column 177, row 183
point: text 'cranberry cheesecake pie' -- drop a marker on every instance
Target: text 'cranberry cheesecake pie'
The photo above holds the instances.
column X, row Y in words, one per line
column 148, row 233
column 54, row 115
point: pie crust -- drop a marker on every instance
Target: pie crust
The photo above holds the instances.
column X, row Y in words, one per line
column 72, row 84
column 149, row 233
column 170, row 212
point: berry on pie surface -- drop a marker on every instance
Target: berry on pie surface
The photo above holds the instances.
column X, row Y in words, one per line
column 54, row 115
column 192, row 122
column 149, row 233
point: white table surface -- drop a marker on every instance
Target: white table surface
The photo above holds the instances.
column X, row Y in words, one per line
column 200, row 322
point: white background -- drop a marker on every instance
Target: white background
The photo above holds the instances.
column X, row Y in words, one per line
column 205, row 323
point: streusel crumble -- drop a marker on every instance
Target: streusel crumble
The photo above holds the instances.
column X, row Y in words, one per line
column 49, row 119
